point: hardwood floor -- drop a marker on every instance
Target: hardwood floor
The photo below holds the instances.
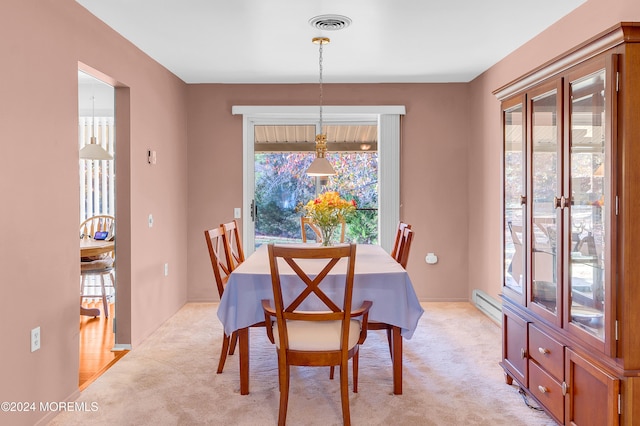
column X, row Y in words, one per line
column 96, row 341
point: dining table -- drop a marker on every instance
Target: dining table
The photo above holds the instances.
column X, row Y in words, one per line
column 91, row 248
column 378, row 278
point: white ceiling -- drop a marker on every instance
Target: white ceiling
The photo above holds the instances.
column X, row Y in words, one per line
column 95, row 98
column 260, row 41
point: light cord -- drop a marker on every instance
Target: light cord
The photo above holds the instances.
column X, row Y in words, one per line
column 321, row 97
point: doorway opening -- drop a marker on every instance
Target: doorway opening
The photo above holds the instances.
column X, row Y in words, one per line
column 97, row 196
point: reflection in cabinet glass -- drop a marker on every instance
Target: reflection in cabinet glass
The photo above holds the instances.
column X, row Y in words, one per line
column 514, row 190
column 588, row 161
column 544, row 186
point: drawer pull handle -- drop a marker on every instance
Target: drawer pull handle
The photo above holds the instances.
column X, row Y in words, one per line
column 523, row 353
column 543, row 351
column 543, row 389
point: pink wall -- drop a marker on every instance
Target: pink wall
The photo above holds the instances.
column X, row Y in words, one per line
column 484, row 185
column 41, row 44
column 435, row 137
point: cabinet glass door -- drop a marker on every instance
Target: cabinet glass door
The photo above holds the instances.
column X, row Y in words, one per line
column 544, row 192
column 514, row 196
column 588, row 168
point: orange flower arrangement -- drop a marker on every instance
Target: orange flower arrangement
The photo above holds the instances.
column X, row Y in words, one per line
column 327, row 211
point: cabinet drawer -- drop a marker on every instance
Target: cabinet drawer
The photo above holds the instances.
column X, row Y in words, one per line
column 546, row 390
column 547, row 352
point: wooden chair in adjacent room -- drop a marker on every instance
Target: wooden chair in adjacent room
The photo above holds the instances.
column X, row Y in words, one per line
column 329, row 337
column 221, row 271
column 232, row 244
column 100, row 266
column 308, row 222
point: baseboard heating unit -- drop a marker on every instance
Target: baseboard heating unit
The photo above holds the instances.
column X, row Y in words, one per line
column 488, row 305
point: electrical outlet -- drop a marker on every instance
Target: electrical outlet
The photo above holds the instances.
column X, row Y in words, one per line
column 166, row 269
column 35, row 339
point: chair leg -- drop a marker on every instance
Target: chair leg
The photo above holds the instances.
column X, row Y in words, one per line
column 105, row 305
column 223, row 353
column 344, row 393
column 279, row 383
column 81, row 289
column 233, row 342
column 284, row 395
column 332, row 369
column 113, row 283
column 86, row 311
column 354, row 360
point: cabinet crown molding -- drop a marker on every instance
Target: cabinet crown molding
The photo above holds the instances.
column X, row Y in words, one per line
column 623, row 32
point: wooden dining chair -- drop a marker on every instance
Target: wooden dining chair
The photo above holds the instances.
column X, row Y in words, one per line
column 327, row 337
column 308, row 222
column 399, row 233
column 100, row 266
column 405, row 247
column 221, row 270
column 232, row 244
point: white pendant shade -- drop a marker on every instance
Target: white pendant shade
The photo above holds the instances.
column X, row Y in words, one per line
column 94, row 151
column 320, row 167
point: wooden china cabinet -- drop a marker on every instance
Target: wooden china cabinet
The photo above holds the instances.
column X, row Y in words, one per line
column 571, row 289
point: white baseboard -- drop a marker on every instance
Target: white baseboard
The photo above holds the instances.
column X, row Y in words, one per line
column 488, row 305
column 121, row 347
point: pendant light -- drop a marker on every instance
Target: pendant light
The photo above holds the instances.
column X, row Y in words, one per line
column 93, row 150
column 320, row 165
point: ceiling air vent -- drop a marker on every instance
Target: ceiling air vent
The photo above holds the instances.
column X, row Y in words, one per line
column 330, row 22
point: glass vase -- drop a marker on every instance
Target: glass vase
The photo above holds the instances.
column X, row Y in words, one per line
column 327, row 233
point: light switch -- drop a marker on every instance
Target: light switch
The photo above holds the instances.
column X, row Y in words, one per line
column 237, row 213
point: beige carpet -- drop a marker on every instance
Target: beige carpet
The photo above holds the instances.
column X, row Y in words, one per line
column 451, row 377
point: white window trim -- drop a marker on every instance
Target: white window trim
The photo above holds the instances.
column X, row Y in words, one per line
column 388, row 119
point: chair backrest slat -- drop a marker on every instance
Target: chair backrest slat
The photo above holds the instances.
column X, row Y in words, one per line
column 399, row 234
column 101, row 222
column 219, row 262
column 405, row 247
column 307, row 221
column 232, row 244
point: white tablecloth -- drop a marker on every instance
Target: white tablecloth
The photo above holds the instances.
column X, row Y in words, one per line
column 378, row 277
